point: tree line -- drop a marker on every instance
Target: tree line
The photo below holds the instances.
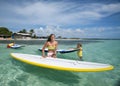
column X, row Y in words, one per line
column 6, row 31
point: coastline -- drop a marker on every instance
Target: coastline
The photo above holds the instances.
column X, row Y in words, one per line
column 36, row 39
column 63, row 39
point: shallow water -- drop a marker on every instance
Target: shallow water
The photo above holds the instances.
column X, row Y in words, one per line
column 16, row 73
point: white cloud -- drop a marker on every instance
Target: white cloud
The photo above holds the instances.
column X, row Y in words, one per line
column 58, row 31
column 55, row 14
column 60, row 13
column 93, row 32
column 108, row 9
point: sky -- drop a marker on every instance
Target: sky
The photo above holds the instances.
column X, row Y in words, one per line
column 66, row 18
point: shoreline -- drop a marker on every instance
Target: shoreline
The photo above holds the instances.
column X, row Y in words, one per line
column 64, row 39
column 35, row 39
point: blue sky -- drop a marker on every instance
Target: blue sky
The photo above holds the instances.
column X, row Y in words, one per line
column 66, row 18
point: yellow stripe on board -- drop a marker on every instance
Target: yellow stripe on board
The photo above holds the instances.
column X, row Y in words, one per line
column 64, row 68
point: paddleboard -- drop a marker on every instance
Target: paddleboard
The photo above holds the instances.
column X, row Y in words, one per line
column 16, row 46
column 61, row 50
column 61, row 64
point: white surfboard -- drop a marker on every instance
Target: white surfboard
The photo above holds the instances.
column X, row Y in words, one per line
column 61, row 64
column 61, row 50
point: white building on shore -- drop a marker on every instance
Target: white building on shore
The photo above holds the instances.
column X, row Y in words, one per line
column 21, row 36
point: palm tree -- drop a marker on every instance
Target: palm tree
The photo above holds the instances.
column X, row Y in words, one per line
column 31, row 32
column 23, row 31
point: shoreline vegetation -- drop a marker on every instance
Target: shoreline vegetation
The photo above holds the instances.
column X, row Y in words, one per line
column 6, row 34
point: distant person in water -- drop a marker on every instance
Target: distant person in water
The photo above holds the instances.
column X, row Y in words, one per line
column 79, row 52
column 51, row 44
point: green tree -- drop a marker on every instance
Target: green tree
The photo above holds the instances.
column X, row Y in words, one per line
column 34, row 36
column 31, row 32
column 5, row 31
column 23, row 31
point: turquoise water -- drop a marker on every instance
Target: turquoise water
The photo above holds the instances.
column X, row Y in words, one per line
column 15, row 73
